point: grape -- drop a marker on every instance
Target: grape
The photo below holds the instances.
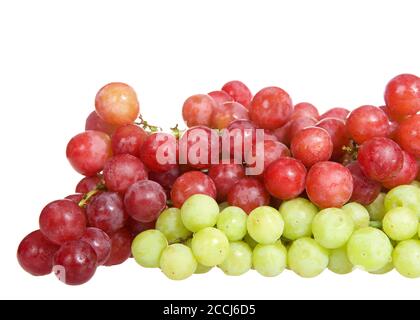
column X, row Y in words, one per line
column 94, row 122
column 380, row 158
column 225, row 176
column 358, row 214
column 248, row 194
column 116, row 103
column 339, row 262
column 227, row 112
column 329, row 184
column 210, row 246
column 332, row 228
column 377, row 208
column 337, row 130
column 269, row 259
column 232, row 222
column 265, row 225
column 166, row 179
column 283, row 133
column 298, row 124
column 35, row 254
column 198, row 109
column 406, row 175
column 159, row 152
column 191, row 183
column 339, row 113
column 305, row 109
column 87, row 152
column 406, row 258
column 62, row 221
column 106, row 212
column 238, row 91
column 403, row 196
column 76, row 198
column 128, row 139
column 365, row 190
column 220, row 96
column 135, row 227
column 402, row 96
column 367, row 122
column 239, row 259
column 120, row 247
column 177, row 262
column 297, row 215
column 199, row 211
column 200, row 268
column 400, row 223
column 100, row 242
column 408, row 135
column 238, row 135
column 122, row 170
column 147, row 248
column 369, row 249
column 75, row 263
column 88, row 184
column 223, row 206
column 388, row 268
column 307, row 258
column 270, row 136
column 170, row 224
column 312, row 145
column 285, row 178
column 145, row 200
column 270, row 108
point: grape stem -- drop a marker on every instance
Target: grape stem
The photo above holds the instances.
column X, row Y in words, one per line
column 147, row 126
column 352, row 149
column 86, row 198
column 177, row 132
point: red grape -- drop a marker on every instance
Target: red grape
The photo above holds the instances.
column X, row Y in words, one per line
column 269, row 135
column 408, row 135
column 238, row 91
column 106, row 212
column 365, row 190
column 120, row 247
column 166, row 179
column 94, row 122
column 75, row 263
column 88, row 184
column 191, row 183
column 367, row 122
column 227, row 112
column 336, row 128
column 225, row 176
column 62, row 220
column 145, row 200
column 100, row 242
column 128, row 139
column 312, row 145
column 159, row 152
column 35, row 254
column 88, row 152
column 239, row 133
column 339, row 113
column 402, row 96
column 248, row 194
column 285, row 178
column 76, row 198
column 329, row 184
column 283, row 133
column 270, row 108
column 198, row 109
column 380, row 158
column 406, row 175
column 135, row 227
column 116, row 103
column 122, row 170
column 305, row 110
column 298, row 124
column 220, row 96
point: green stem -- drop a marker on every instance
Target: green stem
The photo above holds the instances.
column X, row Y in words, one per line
column 86, row 198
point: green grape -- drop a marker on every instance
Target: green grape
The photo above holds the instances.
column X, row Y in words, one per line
column 177, row 262
column 265, row 225
column 339, row 262
column 369, row 249
column 307, row 258
column 232, row 221
column 269, row 259
column 147, row 248
column 388, row 268
column 415, row 183
column 199, row 211
column 377, row 208
column 400, row 223
column 297, row 215
column 239, row 259
column 358, row 213
column 170, row 224
column 210, row 246
column 403, row 196
column 223, row 206
column 250, row 241
column 406, row 258
column 200, row 268
column 332, row 228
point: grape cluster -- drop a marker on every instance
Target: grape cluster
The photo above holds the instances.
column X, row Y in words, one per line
column 338, row 190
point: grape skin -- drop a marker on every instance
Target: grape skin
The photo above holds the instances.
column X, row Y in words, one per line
column 147, row 248
column 406, row 258
column 171, row 225
column 400, row 223
column 239, row 259
column 265, row 225
column 210, row 246
column 198, row 212
column 177, row 262
column 269, row 260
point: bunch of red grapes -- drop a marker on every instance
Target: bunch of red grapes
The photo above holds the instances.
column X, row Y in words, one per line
column 330, row 159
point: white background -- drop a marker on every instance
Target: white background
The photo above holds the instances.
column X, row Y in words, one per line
column 55, row 55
